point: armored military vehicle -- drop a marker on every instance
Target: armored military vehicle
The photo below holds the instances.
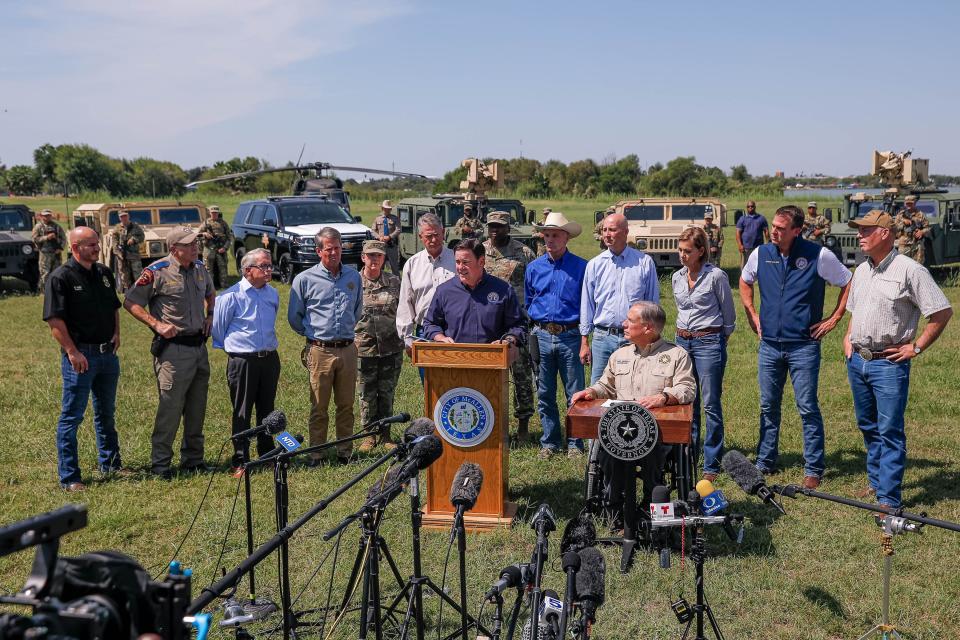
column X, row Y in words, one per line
column 18, row 256
column 156, row 218
column 903, row 176
column 449, row 208
column 655, row 224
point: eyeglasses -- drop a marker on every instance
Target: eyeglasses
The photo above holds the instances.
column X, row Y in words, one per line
column 266, row 268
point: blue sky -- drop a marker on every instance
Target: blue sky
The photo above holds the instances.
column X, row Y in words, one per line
column 805, row 87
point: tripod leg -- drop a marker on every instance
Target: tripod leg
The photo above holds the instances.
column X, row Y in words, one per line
column 713, row 623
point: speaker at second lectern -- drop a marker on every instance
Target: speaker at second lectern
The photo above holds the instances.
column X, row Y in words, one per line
column 465, row 391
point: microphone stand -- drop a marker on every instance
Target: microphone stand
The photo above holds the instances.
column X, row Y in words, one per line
column 570, row 566
column 539, row 557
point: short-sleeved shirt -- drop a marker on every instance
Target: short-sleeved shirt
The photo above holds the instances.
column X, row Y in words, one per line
column 709, row 304
column 829, row 268
column 633, row 372
column 751, row 226
column 85, row 299
column 482, row 314
column 377, row 329
column 174, row 294
column 388, row 225
column 886, row 301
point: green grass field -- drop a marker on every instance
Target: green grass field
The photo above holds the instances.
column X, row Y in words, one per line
column 815, row 573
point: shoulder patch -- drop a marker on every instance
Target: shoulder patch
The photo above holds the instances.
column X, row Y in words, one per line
column 199, row 262
column 156, row 266
column 146, row 277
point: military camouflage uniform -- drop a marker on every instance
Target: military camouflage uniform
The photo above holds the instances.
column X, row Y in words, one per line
column 469, row 227
column 387, row 224
column 715, row 236
column 598, row 228
column 509, row 264
column 129, row 265
column 815, row 223
column 538, row 235
column 51, row 251
column 221, row 237
column 906, row 224
column 380, row 349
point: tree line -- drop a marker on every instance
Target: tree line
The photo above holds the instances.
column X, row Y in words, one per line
column 74, row 168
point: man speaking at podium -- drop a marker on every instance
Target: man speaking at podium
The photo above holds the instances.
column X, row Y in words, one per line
column 474, row 307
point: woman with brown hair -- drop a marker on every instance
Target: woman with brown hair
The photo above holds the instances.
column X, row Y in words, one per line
column 705, row 319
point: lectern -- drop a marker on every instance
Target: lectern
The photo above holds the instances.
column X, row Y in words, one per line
column 465, row 392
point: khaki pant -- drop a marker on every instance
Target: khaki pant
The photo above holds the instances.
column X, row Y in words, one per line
column 182, row 376
column 48, row 262
column 393, row 259
column 331, row 369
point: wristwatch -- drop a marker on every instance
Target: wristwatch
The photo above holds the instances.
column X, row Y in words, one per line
column 916, row 349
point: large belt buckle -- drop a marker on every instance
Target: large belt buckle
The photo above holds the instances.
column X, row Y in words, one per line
column 105, row 347
column 554, row 329
column 865, row 353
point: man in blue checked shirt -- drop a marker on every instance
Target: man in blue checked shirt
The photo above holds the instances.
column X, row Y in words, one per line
column 552, row 286
column 244, row 326
column 325, row 304
column 614, row 280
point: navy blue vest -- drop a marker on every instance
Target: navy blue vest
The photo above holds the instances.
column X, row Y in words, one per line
column 791, row 301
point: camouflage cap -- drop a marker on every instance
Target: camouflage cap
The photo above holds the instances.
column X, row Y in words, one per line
column 181, row 235
column 213, row 208
column 499, row 217
column 812, row 204
column 374, row 246
column 468, row 206
column 910, row 199
column 708, row 215
column 124, row 212
column 611, row 209
column 875, row 218
column 46, row 212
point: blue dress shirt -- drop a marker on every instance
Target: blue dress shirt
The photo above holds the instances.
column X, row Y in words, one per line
column 323, row 306
column 244, row 319
column 479, row 315
column 553, row 288
column 614, row 282
column 708, row 304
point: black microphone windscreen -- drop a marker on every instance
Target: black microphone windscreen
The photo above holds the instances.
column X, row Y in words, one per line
column 513, row 574
column 275, row 422
column 579, row 533
column 466, row 485
column 660, row 494
column 743, row 472
column 419, row 427
column 591, row 579
column 426, row 452
column 571, row 560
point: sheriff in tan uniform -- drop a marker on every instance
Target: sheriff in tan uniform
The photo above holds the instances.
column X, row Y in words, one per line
column 386, row 229
column 650, row 372
column 179, row 293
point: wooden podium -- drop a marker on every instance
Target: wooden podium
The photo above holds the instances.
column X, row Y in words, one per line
column 480, row 368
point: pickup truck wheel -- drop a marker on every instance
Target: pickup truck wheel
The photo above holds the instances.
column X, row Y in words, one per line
column 240, row 252
column 285, row 269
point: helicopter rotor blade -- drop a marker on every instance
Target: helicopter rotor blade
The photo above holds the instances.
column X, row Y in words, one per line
column 243, row 174
column 380, row 171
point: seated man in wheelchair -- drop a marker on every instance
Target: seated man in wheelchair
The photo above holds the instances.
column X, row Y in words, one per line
column 652, row 373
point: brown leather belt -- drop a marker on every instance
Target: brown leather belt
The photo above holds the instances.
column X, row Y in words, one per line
column 330, row 344
column 870, row 354
column 555, row 328
column 686, row 335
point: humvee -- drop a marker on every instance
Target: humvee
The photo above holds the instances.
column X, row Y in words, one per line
column 156, row 218
column 18, row 256
column 655, row 224
column 449, row 208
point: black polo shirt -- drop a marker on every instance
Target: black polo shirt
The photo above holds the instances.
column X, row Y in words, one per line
column 85, row 299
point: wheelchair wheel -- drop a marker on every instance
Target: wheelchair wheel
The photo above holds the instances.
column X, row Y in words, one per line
column 593, row 481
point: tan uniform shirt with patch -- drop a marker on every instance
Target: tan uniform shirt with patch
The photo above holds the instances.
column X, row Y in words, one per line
column 633, row 373
column 387, row 225
column 174, row 294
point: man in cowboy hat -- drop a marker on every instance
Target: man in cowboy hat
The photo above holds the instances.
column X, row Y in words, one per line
column 386, row 228
column 553, row 285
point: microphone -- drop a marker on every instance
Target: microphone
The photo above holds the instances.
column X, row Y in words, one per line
column 425, row 451
column 509, row 577
column 377, row 487
column 579, row 533
column 236, row 614
column 274, row 423
column 403, row 416
column 466, row 487
column 419, row 427
column 543, row 521
column 548, row 620
column 712, row 501
column 571, row 565
column 661, row 507
column 591, row 589
column 273, row 453
column 745, row 474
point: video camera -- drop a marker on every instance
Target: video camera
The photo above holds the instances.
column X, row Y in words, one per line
column 104, row 594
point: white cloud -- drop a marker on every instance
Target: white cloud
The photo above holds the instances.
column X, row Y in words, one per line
column 134, row 73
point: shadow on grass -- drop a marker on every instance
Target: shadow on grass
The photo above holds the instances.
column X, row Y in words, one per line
column 821, row 598
column 845, row 463
column 932, row 487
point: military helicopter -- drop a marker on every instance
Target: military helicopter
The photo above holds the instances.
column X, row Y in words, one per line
column 318, row 184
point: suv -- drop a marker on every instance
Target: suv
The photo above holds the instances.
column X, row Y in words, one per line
column 18, row 256
column 449, row 208
column 655, row 224
column 156, row 218
column 286, row 225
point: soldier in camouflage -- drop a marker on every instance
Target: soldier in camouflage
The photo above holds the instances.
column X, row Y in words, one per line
column 50, row 239
column 217, row 238
column 469, row 225
column 715, row 236
column 379, row 346
column 598, row 229
column 912, row 229
column 815, row 226
column 127, row 238
column 507, row 259
column 538, row 236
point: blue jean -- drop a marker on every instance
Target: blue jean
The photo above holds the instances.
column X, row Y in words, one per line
column 558, row 354
column 100, row 379
column 709, row 357
column 603, row 345
column 802, row 361
column 880, row 400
